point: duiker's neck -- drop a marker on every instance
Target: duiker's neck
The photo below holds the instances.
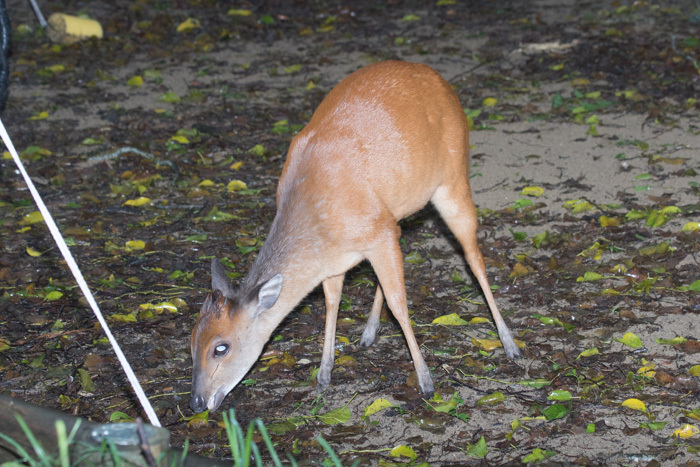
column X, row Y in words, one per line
column 292, row 249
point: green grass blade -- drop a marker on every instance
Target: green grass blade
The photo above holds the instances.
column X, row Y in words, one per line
column 329, row 450
column 62, row 441
column 268, row 442
column 36, row 445
column 20, row 450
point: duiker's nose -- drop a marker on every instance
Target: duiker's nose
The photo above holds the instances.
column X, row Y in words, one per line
column 197, row 403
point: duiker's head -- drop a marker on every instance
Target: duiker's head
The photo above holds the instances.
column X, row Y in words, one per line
column 228, row 337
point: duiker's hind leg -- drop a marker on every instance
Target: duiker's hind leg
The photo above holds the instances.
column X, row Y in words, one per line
column 455, row 205
column 370, row 332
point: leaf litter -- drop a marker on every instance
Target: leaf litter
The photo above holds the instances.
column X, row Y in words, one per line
column 584, row 166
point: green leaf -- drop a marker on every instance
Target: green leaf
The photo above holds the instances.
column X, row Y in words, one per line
column 535, row 383
column 557, row 101
column 518, row 236
column 491, row 399
column 85, row 380
column 559, row 395
column 266, row 19
column 449, row 406
column 555, row 411
column 590, row 428
column 55, row 295
column 478, row 450
column 414, row 257
column 170, row 97
column 538, row 455
column 335, row 416
column 521, row 203
column 280, row 428
column 674, row 341
column 653, row 425
column 119, row 417
column 589, row 276
column 630, row 340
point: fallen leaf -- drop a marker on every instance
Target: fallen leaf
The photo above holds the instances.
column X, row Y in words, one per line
column 188, row 25
column 635, row 404
column 491, row 399
column 686, row 431
column 141, row 201
column 403, row 451
column 630, row 340
column 376, row 406
column 450, row 320
column 532, row 191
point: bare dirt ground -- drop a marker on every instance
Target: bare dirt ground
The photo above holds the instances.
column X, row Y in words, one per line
column 584, row 167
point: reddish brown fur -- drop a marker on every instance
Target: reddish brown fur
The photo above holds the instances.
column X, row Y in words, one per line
column 389, row 138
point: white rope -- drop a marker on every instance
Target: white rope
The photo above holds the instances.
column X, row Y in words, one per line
column 37, row 12
column 80, row 279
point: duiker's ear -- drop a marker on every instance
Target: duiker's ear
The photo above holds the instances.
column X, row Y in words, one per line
column 219, row 279
column 269, row 293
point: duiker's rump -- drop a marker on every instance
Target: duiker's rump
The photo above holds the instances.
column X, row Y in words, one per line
column 389, row 138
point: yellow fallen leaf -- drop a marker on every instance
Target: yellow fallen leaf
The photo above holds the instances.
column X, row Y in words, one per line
column 691, row 227
column 558, row 67
column 686, row 431
column 578, row 206
column 206, row 183
column 40, row 116
column 32, row 252
column 122, row 318
column 450, row 320
column 6, row 155
column 135, row 245
column 32, row 218
column 403, row 451
column 519, row 270
column 635, row 404
column 588, row 352
column 619, row 269
column 487, row 344
column 162, row 306
column 137, row 202
column 239, row 12
column 648, row 370
column 631, row 340
column 490, row 102
column 236, row 185
column 180, row 139
column 580, row 82
column 237, row 165
column 532, row 191
column 694, row 370
column 310, row 85
column 478, row 320
column 346, row 360
column 188, row 25
column 606, row 221
column 376, row 406
column 594, row 251
column 135, row 81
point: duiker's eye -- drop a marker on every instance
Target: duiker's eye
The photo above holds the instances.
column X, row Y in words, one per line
column 220, row 350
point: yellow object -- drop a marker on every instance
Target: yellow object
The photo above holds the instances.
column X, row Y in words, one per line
column 67, row 29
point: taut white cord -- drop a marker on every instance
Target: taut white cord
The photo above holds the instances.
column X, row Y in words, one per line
column 58, row 238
